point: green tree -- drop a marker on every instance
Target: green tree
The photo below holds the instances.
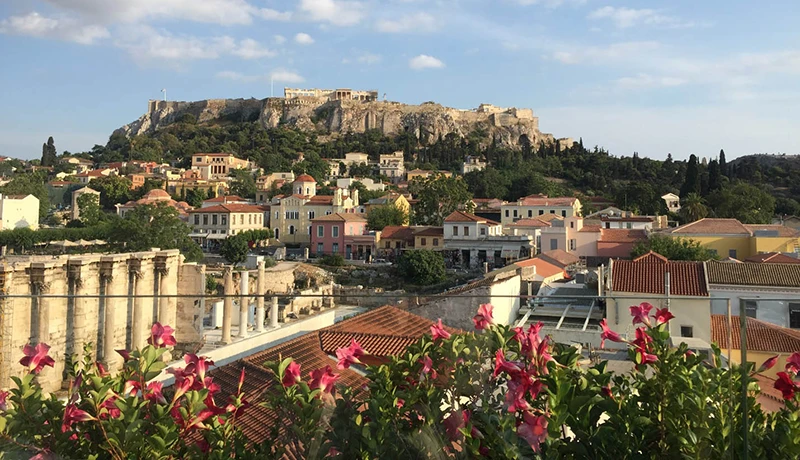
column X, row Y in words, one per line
column 234, row 250
column 383, row 216
column 49, row 154
column 89, row 209
column 195, row 197
column 30, row 184
column 438, row 197
column 422, row 267
column 154, row 226
column 113, row 190
column 673, row 248
column 242, row 184
column 723, row 165
column 787, row 207
column 692, row 208
column 691, row 183
column 745, row 202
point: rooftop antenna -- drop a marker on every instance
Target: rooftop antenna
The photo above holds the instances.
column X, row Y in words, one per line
column 164, row 90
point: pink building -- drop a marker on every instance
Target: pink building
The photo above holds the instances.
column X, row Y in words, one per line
column 341, row 233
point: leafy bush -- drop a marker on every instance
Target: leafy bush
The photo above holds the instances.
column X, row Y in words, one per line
column 332, row 260
column 422, row 267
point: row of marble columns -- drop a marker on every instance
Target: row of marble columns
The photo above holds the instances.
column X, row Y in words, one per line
column 244, row 303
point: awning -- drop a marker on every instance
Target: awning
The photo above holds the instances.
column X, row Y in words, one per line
column 509, row 253
column 216, row 236
column 198, row 235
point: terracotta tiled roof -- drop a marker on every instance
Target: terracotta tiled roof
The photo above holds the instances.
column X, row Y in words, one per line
column 761, row 335
column 531, row 222
column 627, row 218
column 591, row 229
column 773, row 258
column 215, row 154
column 460, row 216
column 224, row 199
column 780, row 231
column 766, row 274
column 652, row 257
column 397, row 232
column 544, row 200
column 305, row 178
column 382, row 332
column 620, row 235
column 686, row 278
column 543, row 267
column 318, row 200
column 549, row 217
column 712, row 227
column 560, row 257
column 340, row 217
column 229, row 208
column 430, row 231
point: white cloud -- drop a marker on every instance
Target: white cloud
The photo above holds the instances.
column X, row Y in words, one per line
column 251, row 49
column 423, row 61
column 225, row 12
column 549, row 3
column 274, row 15
column 417, row 22
column 303, row 39
column 279, row 39
column 646, row 81
column 623, row 51
column 369, row 58
column 36, row 25
column 335, row 12
column 624, row 18
column 286, row 76
column 236, row 76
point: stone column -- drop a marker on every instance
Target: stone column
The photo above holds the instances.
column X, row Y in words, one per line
column 140, row 316
column 6, row 326
column 227, row 305
column 39, row 287
column 244, row 302
column 81, row 330
column 114, row 279
column 167, row 286
column 260, row 282
column 273, row 312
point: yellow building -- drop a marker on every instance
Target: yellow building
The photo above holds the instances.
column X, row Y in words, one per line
column 391, row 199
column 217, row 165
column 538, row 205
column 764, row 340
column 431, row 238
column 731, row 238
column 182, row 186
column 423, row 173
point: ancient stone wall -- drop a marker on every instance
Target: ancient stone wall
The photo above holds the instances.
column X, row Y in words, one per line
column 110, row 301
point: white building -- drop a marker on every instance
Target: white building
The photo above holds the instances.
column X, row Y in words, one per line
column 19, row 211
column 478, row 240
column 538, row 205
column 673, row 202
column 369, row 184
column 472, row 164
column 392, row 166
column 224, row 220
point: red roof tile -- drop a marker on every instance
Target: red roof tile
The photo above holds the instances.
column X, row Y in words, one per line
column 543, row 267
column 773, row 258
column 544, row 200
column 340, row 217
column 652, row 257
column 712, row 227
column 560, row 257
column 225, row 199
column 397, row 232
column 643, row 276
column 531, row 222
column 430, row 231
column 591, row 229
column 766, row 274
column 777, row 231
column 620, row 235
column 460, row 216
column 305, row 178
column 229, row 208
column 761, row 335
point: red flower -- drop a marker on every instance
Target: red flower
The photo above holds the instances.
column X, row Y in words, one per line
column 71, row 415
column 400, row 403
column 153, row 392
column 291, row 375
column 454, row 423
column 131, row 388
column 663, row 316
column 641, row 313
column 101, row 369
column 642, row 338
column 197, row 365
column 241, row 381
column 643, row 357
column 36, row 357
column 502, row 365
column 607, row 391
column 350, row 355
column 182, row 385
column 161, row 336
column 533, row 429
column 126, row 355
column 111, row 407
column 793, row 363
column 515, row 398
column 768, row 364
column 785, row 385
column 3, row 400
column 484, row 317
column 608, row 334
column 203, row 445
column 438, row 332
column 324, row 379
column 427, row 366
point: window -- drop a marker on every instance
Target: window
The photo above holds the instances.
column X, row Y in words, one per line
column 572, row 245
column 483, row 231
column 541, row 212
column 553, row 244
column 277, row 215
column 233, row 219
column 530, row 213
column 213, row 219
column 515, row 213
column 455, row 230
column 291, row 229
column 794, row 315
column 552, row 211
column 213, row 232
column 436, row 241
column 309, row 230
column 751, row 308
column 629, row 225
column 223, row 219
column 388, row 245
column 572, row 225
column 335, row 248
column 205, row 219
column 197, row 219
column 506, row 212
column 732, row 253
column 249, row 219
column 423, row 242
column 563, row 213
column 277, row 233
column 320, row 231
column 466, row 231
column 241, row 218
column 687, row 331
column 320, row 248
column 335, row 231
column 310, row 214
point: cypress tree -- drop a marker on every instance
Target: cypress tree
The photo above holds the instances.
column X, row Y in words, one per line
column 723, row 165
column 691, row 183
column 49, row 154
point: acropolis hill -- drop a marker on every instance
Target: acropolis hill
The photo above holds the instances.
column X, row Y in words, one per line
column 345, row 110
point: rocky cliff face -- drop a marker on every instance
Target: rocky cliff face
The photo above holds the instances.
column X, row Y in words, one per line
column 427, row 121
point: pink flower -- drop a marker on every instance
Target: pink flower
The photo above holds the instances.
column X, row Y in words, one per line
column 454, row 423
column 400, row 403
column 515, row 397
column 793, row 363
column 101, row 370
column 182, row 385
column 643, row 357
column 663, row 316
column 126, row 355
column 36, row 357
column 438, row 332
column 785, row 385
column 608, row 334
column 291, row 375
column 502, row 365
column 153, row 392
column 641, row 313
column 427, row 366
column 71, row 415
column 111, row 407
column 607, row 391
column 161, row 336
column 324, row 379
column 484, row 317
column 642, row 338
column 768, row 364
column 197, row 365
column 533, row 429
column 350, row 355
column 131, row 388
column 3, row 400
column 241, row 381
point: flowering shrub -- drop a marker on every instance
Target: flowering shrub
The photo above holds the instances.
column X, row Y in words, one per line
column 500, row 392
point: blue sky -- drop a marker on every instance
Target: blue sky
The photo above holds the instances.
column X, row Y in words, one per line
column 679, row 76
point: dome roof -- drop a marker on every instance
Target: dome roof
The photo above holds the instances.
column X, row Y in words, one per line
column 157, row 194
column 305, row 178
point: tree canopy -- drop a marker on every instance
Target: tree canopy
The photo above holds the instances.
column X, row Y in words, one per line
column 438, row 197
column 673, row 248
column 383, row 216
column 422, row 267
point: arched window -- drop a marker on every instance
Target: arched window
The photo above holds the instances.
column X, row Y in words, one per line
column 277, row 233
column 291, row 229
